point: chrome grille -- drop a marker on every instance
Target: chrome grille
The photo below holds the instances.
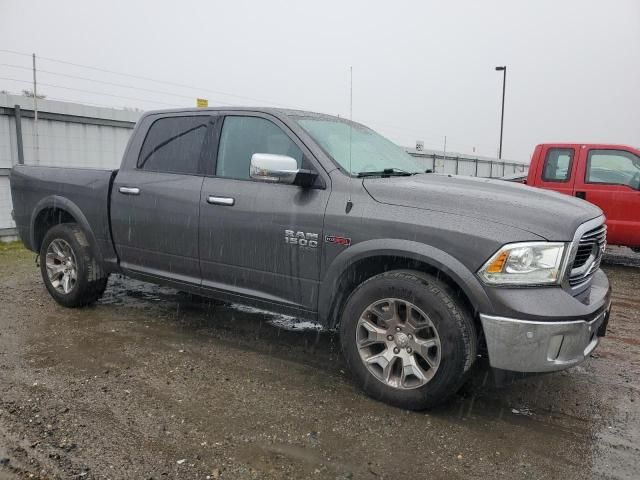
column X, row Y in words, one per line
column 588, row 255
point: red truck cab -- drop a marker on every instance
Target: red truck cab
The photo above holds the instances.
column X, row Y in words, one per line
column 606, row 175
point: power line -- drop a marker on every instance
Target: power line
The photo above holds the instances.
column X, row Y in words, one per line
column 113, row 84
column 149, row 79
column 415, row 132
column 92, row 92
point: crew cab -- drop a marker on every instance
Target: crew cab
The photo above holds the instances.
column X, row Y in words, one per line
column 322, row 218
column 605, row 175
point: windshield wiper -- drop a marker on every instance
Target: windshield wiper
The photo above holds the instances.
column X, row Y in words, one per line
column 387, row 172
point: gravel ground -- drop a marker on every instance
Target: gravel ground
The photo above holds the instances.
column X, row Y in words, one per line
column 151, row 383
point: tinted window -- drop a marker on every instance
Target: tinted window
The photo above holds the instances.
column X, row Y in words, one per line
column 241, row 137
column 557, row 165
column 613, row 167
column 173, row 145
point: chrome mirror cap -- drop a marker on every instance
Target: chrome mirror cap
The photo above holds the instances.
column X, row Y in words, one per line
column 268, row 167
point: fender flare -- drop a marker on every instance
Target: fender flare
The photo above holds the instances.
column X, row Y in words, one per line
column 408, row 249
column 62, row 203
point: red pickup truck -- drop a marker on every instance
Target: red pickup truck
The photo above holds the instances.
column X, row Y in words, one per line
column 606, row 175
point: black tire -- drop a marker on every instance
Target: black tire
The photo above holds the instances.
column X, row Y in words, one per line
column 91, row 280
column 99, row 286
column 452, row 321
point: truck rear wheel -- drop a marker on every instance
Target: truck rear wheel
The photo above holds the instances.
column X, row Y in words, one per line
column 69, row 270
column 407, row 339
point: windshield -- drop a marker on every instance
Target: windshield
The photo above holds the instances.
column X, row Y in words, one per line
column 369, row 151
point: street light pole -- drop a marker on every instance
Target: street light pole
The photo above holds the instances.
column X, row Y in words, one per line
column 502, row 69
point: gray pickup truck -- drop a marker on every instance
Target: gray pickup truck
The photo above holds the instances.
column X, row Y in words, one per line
column 322, row 218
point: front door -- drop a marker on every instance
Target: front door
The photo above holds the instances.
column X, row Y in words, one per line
column 155, row 205
column 610, row 178
column 259, row 239
column 557, row 169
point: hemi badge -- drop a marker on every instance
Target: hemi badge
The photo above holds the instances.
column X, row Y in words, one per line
column 337, row 240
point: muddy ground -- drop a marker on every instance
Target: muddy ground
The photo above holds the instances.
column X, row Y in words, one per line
column 150, row 383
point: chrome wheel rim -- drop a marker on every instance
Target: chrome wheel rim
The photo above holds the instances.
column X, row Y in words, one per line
column 61, row 266
column 398, row 343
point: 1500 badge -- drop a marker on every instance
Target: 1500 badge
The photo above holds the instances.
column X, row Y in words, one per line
column 302, row 239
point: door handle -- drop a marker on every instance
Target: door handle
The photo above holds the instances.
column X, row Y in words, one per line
column 226, row 201
column 129, row 190
column 582, row 195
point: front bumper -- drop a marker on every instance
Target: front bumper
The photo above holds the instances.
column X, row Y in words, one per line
column 537, row 346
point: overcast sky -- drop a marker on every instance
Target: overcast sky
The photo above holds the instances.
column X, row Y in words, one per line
column 421, row 70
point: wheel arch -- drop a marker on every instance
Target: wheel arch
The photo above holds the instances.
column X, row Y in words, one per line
column 366, row 259
column 54, row 210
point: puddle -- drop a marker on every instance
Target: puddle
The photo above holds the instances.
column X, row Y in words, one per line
column 271, row 392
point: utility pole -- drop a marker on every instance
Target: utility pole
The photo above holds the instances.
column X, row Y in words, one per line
column 444, row 154
column 502, row 69
column 35, row 111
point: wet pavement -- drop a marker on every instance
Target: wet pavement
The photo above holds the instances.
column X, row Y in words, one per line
column 152, row 383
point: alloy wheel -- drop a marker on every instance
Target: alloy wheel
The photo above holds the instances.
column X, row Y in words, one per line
column 398, row 343
column 61, row 265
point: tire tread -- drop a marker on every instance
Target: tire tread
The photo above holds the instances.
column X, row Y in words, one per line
column 94, row 283
column 458, row 314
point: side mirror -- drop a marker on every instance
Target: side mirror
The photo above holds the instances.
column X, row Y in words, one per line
column 267, row 167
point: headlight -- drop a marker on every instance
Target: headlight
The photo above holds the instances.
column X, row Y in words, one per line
column 533, row 263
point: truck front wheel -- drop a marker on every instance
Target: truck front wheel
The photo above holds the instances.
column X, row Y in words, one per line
column 407, row 339
column 69, row 270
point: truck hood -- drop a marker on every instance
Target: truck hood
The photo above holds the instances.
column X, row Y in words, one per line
column 545, row 213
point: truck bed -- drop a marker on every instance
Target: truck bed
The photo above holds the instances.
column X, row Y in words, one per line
column 38, row 190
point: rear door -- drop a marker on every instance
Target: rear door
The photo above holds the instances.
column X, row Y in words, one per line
column 258, row 239
column 556, row 168
column 156, row 200
column 610, row 178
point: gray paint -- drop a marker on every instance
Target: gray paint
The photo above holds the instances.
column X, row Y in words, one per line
column 156, row 232
column 549, row 214
column 83, row 193
column 170, row 234
column 74, row 135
